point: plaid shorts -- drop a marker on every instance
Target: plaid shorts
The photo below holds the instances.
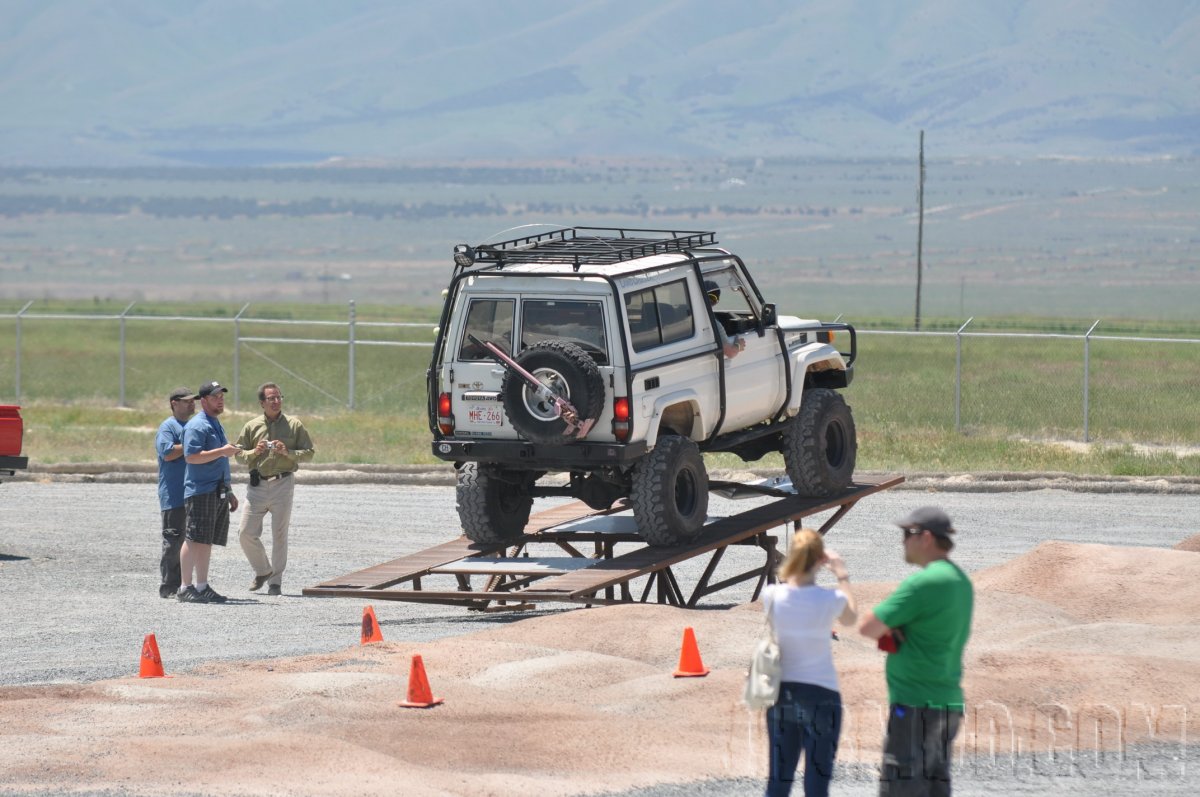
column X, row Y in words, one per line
column 208, row 517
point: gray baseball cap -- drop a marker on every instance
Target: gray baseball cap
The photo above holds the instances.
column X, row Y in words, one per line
column 928, row 518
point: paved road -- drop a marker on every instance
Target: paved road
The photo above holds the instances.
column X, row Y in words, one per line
column 78, row 570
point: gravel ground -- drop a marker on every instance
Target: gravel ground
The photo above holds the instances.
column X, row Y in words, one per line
column 78, row 577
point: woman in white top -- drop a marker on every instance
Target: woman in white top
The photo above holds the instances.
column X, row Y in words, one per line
column 808, row 714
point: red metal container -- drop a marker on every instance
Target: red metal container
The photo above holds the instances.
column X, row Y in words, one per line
column 12, row 429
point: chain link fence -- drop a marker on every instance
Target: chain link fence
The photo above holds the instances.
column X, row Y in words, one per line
column 1044, row 386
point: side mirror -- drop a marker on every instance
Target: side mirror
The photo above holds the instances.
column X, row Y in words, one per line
column 769, row 319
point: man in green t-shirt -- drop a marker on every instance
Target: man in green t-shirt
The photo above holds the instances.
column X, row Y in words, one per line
column 923, row 626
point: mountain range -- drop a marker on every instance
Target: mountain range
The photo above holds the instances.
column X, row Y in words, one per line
column 233, row 82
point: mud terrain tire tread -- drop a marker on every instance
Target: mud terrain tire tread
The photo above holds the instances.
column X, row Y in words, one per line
column 578, row 372
column 671, row 474
column 820, row 445
column 490, row 509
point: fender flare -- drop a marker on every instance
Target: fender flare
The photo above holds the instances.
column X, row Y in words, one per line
column 803, row 360
column 654, row 423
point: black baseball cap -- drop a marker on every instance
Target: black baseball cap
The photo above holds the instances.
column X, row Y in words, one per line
column 208, row 388
column 928, row 518
column 181, row 393
column 713, row 292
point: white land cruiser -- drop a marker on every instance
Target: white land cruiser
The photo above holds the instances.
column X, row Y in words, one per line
column 599, row 352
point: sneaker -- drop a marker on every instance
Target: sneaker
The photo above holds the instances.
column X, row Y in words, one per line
column 167, row 592
column 189, row 595
column 258, row 581
column 274, row 589
column 209, row 595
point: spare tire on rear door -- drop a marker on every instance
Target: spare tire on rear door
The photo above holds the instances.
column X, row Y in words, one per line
column 569, row 372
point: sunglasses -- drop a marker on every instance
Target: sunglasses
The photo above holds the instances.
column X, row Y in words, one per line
column 912, row 532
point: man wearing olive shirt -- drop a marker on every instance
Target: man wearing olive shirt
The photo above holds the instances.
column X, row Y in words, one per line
column 273, row 445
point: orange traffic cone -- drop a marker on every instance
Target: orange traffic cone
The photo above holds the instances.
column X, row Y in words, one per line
column 370, row 626
column 151, row 666
column 419, row 694
column 690, row 665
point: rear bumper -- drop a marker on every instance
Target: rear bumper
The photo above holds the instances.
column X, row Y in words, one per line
column 14, row 463
column 529, row 456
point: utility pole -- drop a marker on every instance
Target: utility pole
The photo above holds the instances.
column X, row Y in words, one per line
column 920, row 228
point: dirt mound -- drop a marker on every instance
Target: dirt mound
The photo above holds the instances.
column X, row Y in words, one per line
column 1192, row 543
column 1103, row 582
column 1074, row 646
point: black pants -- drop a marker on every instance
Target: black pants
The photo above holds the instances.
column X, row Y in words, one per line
column 916, row 752
column 172, row 541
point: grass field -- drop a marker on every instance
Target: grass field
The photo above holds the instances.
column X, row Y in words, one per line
column 1021, row 398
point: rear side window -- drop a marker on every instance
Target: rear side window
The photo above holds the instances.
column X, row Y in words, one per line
column 581, row 323
column 488, row 320
column 659, row 315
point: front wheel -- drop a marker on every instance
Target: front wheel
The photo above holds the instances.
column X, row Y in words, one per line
column 820, row 444
column 493, row 505
column 670, row 492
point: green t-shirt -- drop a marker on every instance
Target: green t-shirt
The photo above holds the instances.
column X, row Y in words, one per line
column 932, row 607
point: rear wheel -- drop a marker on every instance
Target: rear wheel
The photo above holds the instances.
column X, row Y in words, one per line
column 670, row 492
column 493, row 504
column 820, row 445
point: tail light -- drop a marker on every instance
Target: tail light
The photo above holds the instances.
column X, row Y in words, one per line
column 445, row 418
column 620, row 423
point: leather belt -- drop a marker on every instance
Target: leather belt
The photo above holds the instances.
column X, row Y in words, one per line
column 277, row 476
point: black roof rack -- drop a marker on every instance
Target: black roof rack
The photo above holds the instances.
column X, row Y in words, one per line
column 580, row 246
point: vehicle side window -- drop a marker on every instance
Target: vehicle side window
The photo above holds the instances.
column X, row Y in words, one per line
column 659, row 315
column 488, row 320
column 581, row 323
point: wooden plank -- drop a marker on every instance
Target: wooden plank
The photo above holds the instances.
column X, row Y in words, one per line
column 574, row 520
column 725, row 531
column 515, row 566
column 410, row 566
column 418, row 564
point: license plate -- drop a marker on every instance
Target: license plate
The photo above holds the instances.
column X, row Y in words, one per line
column 485, row 415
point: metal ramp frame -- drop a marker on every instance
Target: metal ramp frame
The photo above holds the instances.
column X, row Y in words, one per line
column 516, row 581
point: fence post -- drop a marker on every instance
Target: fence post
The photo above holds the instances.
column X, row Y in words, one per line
column 1087, row 367
column 123, row 314
column 237, row 351
column 17, row 373
column 350, row 332
column 958, row 377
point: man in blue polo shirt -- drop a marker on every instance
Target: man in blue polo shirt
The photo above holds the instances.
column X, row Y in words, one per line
column 169, row 445
column 207, row 494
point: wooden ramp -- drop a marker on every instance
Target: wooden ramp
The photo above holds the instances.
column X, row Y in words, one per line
column 517, row 579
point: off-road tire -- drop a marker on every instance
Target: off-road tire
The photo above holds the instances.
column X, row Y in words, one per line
column 490, row 508
column 570, row 372
column 670, row 492
column 820, row 445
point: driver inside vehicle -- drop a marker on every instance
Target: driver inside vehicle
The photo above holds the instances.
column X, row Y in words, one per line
column 731, row 348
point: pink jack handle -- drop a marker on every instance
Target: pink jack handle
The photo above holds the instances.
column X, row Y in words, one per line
column 575, row 428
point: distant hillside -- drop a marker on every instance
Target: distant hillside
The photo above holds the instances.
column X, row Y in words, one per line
column 233, row 82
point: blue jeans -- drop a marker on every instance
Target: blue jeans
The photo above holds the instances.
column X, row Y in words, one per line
column 808, row 719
